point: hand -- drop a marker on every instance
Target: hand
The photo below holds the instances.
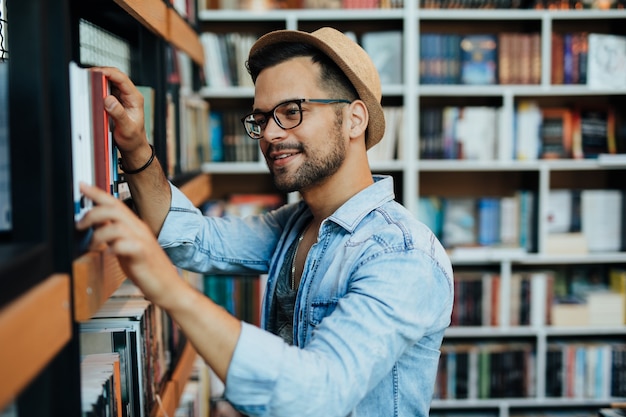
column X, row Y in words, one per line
column 125, row 107
column 134, row 244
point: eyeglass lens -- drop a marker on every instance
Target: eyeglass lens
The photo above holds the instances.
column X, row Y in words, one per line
column 287, row 115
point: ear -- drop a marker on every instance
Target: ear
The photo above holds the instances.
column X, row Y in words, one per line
column 358, row 118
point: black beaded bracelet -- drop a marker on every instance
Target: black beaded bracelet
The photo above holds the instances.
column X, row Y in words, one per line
column 138, row 170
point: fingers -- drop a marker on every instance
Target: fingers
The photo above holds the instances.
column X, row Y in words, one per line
column 125, row 107
column 106, row 208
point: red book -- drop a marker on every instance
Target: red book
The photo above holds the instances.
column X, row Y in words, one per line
column 101, row 139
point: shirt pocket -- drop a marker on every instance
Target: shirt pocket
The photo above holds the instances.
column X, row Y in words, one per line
column 321, row 309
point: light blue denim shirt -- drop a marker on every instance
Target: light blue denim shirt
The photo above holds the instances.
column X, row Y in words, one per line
column 373, row 304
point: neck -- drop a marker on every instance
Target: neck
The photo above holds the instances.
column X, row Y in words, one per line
column 325, row 198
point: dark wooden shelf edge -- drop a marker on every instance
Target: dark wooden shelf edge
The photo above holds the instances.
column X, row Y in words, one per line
column 97, row 274
column 34, row 327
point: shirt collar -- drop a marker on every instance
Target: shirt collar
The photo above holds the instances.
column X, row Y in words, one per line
column 356, row 208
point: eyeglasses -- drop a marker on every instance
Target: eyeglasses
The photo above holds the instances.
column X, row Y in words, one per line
column 287, row 115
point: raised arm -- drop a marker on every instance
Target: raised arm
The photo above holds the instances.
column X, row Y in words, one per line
column 149, row 187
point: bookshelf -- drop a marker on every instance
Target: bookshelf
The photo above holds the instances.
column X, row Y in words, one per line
column 500, row 175
column 49, row 283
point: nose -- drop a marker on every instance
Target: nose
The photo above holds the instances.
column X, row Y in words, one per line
column 273, row 131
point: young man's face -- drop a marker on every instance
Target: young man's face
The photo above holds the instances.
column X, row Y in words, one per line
column 314, row 150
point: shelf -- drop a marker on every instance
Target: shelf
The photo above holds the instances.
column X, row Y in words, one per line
column 166, row 23
column 97, row 274
column 181, row 35
column 33, row 328
column 170, row 397
column 153, row 14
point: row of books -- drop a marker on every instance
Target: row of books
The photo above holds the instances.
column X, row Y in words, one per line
column 240, row 295
column 506, row 222
column 476, row 132
column 523, row 4
column 594, row 59
column 472, row 4
column 486, row 370
column 461, row 132
column 590, row 370
column 228, row 139
column 592, row 219
column 101, row 385
column 596, row 216
column 580, row 296
column 478, row 299
column 480, row 59
column 135, row 329
column 590, row 296
column 149, row 344
column 226, row 55
column 299, row 4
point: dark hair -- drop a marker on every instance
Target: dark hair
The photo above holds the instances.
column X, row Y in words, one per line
column 332, row 78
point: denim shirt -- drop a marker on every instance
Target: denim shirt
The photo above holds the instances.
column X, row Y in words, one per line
column 374, row 300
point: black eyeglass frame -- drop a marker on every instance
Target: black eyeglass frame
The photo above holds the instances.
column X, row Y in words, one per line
column 272, row 113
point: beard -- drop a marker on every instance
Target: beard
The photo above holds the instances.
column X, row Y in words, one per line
column 316, row 167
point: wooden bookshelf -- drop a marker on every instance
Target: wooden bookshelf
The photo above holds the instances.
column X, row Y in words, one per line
column 166, row 23
column 33, row 329
column 173, row 390
column 181, row 35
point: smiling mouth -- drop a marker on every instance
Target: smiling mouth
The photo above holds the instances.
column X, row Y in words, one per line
column 283, row 156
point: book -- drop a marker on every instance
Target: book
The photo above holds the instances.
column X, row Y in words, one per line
column 527, row 127
column 478, row 59
column 148, row 110
column 606, row 64
column 459, row 222
column 102, row 138
column 597, row 131
column 385, row 50
column 556, row 133
column 81, row 131
column 602, row 216
column 99, row 368
column 130, row 326
column 475, row 131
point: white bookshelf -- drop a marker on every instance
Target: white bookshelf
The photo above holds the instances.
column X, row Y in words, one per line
column 417, row 177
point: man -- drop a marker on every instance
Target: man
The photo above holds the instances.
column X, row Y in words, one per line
column 359, row 292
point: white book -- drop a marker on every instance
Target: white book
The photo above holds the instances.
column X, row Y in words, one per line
column 538, row 294
column 385, row 50
column 606, row 62
column 559, row 213
column 527, row 131
column 476, row 132
column 82, row 137
column 602, row 219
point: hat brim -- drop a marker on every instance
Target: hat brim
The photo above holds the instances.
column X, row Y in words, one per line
column 346, row 54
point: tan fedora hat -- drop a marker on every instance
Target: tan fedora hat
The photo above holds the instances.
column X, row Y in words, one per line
column 351, row 59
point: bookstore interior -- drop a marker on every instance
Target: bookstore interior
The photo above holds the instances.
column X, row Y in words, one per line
column 505, row 134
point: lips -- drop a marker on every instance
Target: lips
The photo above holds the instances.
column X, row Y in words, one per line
column 282, row 156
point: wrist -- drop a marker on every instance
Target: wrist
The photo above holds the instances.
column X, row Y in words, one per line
column 138, row 162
